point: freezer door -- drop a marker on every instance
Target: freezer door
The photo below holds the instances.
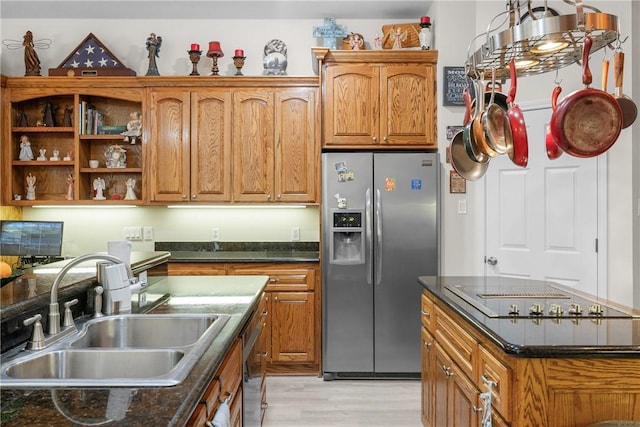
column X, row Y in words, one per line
column 347, row 288
column 406, row 246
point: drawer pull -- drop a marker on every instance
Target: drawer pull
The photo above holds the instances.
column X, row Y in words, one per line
column 427, row 345
column 264, row 405
column 425, row 313
column 273, row 280
column 476, row 410
column 447, row 371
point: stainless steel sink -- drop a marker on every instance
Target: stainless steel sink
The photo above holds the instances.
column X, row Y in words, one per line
column 145, row 331
column 148, row 350
column 88, row 364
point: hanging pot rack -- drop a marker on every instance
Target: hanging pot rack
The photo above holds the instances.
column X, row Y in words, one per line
column 525, row 41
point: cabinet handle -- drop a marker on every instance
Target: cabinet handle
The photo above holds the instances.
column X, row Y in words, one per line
column 273, row 280
column 425, row 313
column 184, row 197
column 278, row 196
column 476, row 410
column 264, row 313
column 264, row 405
column 427, row 345
column 275, row 298
column 385, row 139
column 268, row 196
column 375, row 138
column 447, row 371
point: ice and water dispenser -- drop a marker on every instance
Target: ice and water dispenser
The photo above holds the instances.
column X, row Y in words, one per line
column 347, row 237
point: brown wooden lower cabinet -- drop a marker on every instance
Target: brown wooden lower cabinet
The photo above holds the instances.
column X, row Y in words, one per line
column 293, row 323
column 457, row 362
column 225, row 386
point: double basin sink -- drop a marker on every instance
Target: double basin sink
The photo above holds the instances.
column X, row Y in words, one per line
column 132, row 350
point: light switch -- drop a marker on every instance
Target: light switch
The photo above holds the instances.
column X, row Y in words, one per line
column 462, row 206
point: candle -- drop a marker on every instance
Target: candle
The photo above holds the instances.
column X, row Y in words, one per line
column 195, row 46
column 239, row 52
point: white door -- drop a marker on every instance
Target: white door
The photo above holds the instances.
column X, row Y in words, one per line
column 542, row 220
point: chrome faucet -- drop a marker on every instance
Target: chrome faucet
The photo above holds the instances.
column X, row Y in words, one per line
column 54, row 310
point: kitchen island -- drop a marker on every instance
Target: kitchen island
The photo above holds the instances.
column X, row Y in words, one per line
column 534, row 353
column 236, row 296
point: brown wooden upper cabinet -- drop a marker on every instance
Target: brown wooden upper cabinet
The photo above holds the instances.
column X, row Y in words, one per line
column 378, row 99
column 243, row 140
column 275, row 149
column 190, row 155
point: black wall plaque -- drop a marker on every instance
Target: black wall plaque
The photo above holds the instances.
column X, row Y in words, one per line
column 455, row 82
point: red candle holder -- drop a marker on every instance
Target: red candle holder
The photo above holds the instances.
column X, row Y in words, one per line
column 215, row 52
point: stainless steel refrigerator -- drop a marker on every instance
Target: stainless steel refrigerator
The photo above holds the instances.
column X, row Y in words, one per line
column 380, row 232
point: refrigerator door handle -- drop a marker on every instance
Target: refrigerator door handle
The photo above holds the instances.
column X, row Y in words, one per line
column 378, row 238
column 368, row 231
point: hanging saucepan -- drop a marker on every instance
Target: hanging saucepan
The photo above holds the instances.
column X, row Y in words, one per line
column 499, row 97
column 467, row 135
column 477, row 126
column 466, row 167
column 496, row 126
column 588, row 121
column 628, row 107
column 553, row 151
column 518, row 144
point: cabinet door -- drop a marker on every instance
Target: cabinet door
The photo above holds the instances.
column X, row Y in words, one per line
column 407, row 105
column 427, row 380
column 211, row 146
column 351, row 105
column 296, row 146
column 169, row 153
column 455, row 395
column 253, row 146
column 292, row 327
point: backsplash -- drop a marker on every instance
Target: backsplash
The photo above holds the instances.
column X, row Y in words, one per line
column 236, row 246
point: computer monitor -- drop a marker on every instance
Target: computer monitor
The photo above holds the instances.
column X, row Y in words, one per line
column 31, row 238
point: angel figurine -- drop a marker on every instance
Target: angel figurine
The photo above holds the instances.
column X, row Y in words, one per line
column 130, row 195
column 26, row 153
column 70, row 180
column 99, row 185
column 398, row 37
column 31, row 187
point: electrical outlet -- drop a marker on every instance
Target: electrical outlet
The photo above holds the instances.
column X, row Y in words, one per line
column 132, row 233
column 295, row 234
column 147, row 233
column 215, row 234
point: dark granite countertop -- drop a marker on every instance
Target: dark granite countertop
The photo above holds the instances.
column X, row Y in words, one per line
column 234, row 295
column 542, row 337
column 241, row 251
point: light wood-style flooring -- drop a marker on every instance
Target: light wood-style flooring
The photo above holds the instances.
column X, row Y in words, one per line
column 308, row 401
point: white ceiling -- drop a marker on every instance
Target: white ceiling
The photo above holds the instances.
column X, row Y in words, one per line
column 213, row 9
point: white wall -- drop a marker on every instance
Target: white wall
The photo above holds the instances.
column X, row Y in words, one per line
column 88, row 229
column 456, row 23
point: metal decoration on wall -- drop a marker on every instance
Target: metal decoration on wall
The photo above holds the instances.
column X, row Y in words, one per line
column 275, row 58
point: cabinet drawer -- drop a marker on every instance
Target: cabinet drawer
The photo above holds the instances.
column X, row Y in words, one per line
column 492, row 369
column 459, row 344
column 208, row 405
column 285, row 277
column 426, row 312
column 196, row 269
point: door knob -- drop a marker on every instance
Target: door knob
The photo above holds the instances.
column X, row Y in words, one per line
column 492, row 261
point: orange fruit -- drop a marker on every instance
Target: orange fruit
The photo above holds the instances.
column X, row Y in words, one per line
column 5, row 270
